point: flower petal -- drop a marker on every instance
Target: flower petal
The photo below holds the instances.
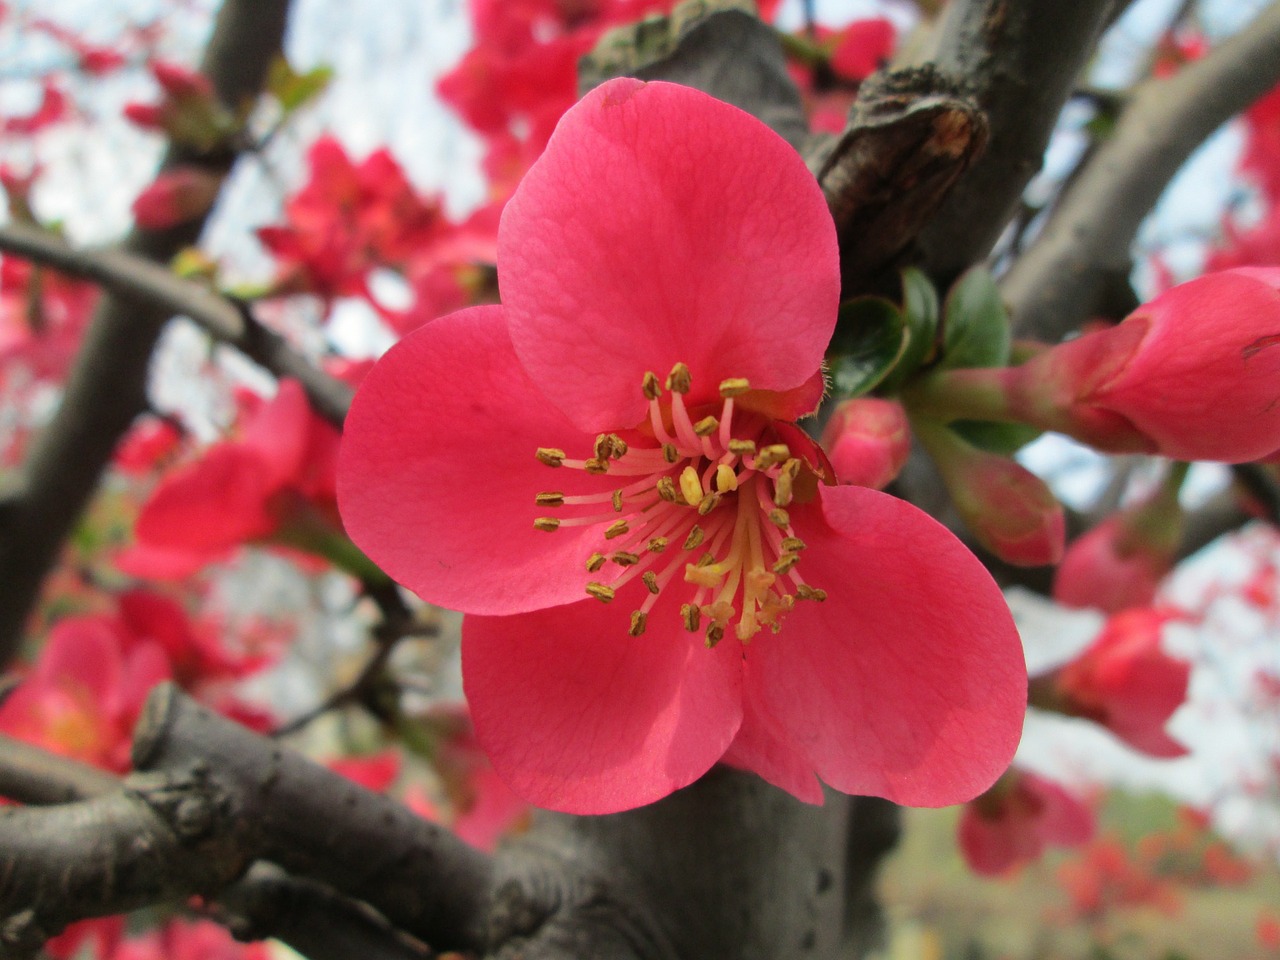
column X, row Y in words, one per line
column 643, row 237
column 437, row 472
column 908, row 681
column 761, row 749
column 578, row 716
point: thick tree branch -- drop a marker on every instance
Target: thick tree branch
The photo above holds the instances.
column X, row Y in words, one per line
column 106, row 388
column 1055, row 284
column 1019, row 61
column 151, row 285
column 319, row 825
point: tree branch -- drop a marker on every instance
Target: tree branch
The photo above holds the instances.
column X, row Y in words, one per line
column 106, row 388
column 31, row 775
column 1019, row 60
column 1054, row 285
column 151, row 285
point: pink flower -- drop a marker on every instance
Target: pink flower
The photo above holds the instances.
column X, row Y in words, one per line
column 188, row 940
column 1020, row 816
column 750, row 613
column 1127, row 683
column 868, row 440
column 1193, row 374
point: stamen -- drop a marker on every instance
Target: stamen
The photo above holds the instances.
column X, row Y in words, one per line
column 695, row 538
column 679, row 380
column 549, row 499
column 806, row 592
column 657, row 544
column 616, row 529
column 666, row 488
column 715, row 633
column 709, row 503
column 638, row 621
column 785, row 563
column 782, row 483
column 546, row 524
column 595, row 562
column 624, row 559
column 726, row 478
column 780, row 517
column 742, row 447
column 617, row 501
column 650, row 385
column 706, row 426
column 601, row 592
column 551, row 456
column 734, row 387
column 651, row 581
column 691, row 614
column 670, row 453
column 774, row 453
column 596, row 465
column 792, row 544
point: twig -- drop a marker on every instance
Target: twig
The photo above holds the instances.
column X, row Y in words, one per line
column 133, row 278
column 1052, row 288
column 31, row 775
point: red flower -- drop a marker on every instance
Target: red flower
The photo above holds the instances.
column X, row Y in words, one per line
column 1193, row 374
column 1127, row 683
column 1020, row 816
column 641, row 242
column 276, row 479
column 868, row 441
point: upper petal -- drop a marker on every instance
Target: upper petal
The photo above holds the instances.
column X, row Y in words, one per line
column 578, row 716
column 663, row 226
column 437, row 473
column 908, row 681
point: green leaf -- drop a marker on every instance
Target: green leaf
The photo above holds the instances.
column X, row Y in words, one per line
column 1002, row 438
column 975, row 323
column 920, row 315
column 294, row 89
column 873, row 337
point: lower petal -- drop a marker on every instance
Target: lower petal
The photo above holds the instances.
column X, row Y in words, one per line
column 578, row 716
column 908, row 681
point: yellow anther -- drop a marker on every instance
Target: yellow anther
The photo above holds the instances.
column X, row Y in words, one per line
column 726, row 478
column 638, row 620
column 651, row 581
column 620, row 447
column 691, row 614
column 596, row 465
column 679, row 379
column 785, row 563
column 549, row 499
column 616, row 529
column 706, row 426
column 709, row 503
column 704, row 576
column 734, row 387
column 551, row 456
column 670, row 453
column 667, row 490
column 624, row 559
column 774, row 453
column 657, row 544
column 650, row 386
column 783, row 489
column 715, row 633
column 617, row 501
column 706, row 559
column 600, row 591
column 742, row 447
column 780, row 518
column 792, row 544
column 695, row 538
column 691, row 486
column 595, row 562
column 806, row 592
column 547, row 524
column 604, row 446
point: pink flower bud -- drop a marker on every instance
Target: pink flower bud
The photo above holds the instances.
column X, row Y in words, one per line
column 1193, row 374
column 180, row 83
column 867, row 441
column 148, row 116
column 1127, row 683
column 1016, row 819
column 1110, row 571
column 177, row 196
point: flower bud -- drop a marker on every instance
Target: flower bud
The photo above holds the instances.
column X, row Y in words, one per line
column 1125, row 682
column 179, row 83
column 174, row 197
column 867, row 441
column 1016, row 819
column 1194, row 374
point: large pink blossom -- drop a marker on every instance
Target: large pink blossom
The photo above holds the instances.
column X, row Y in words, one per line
column 657, row 577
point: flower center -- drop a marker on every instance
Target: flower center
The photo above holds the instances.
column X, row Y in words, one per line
column 699, row 505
